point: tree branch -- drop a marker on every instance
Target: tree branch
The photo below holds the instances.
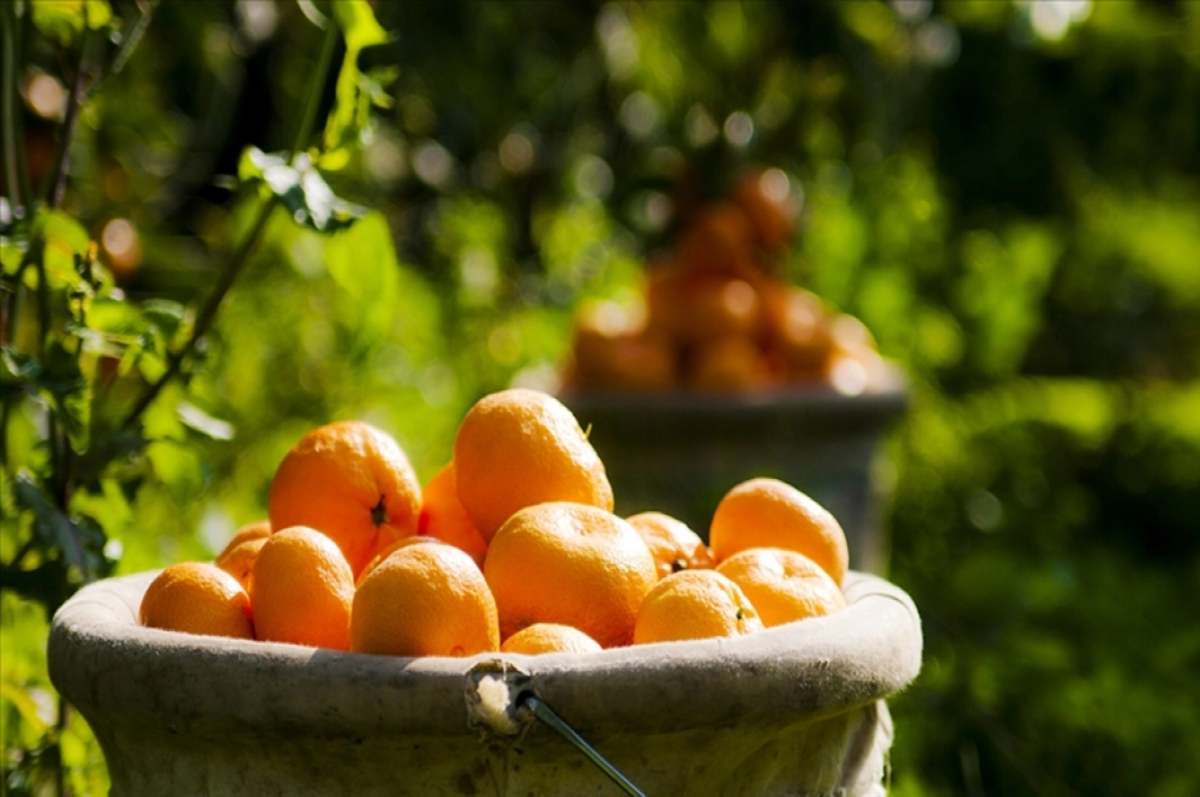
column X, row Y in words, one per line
column 208, row 313
column 14, row 146
column 57, row 179
column 309, row 120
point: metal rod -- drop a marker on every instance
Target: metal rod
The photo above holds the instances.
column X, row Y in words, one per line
column 547, row 715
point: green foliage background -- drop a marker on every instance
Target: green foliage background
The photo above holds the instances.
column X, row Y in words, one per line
column 1009, row 199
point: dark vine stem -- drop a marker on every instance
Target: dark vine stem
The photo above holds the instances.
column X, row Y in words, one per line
column 309, row 119
column 14, row 159
column 207, row 314
column 131, row 40
column 237, row 262
column 57, row 179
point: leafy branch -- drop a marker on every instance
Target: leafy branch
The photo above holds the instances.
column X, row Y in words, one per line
column 65, row 496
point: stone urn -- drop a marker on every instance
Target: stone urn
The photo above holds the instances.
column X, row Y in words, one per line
column 798, row 709
column 679, row 451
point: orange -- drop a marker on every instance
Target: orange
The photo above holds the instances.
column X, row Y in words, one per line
column 719, row 239
column 237, row 558
column 302, row 590
column 664, row 282
column 769, row 513
column 550, row 638
column 717, row 307
column 854, row 364
column 391, row 549
column 783, row 585
column 624, row 362
column 771, row 205
column 571, row 564
column 197, row 598
column 695, row 604
column 672, row 543
column 444, row 518
column 728, row 364
column 690, row 307
column 798, row 327
column 520, row 447
column 351, row 481
column 424, row 600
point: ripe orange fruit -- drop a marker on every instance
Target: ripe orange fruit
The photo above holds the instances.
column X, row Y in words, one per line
column 672, row 543
column 351, row 481
column 783, row 585
column 520, row 447
column 798, row 327
column 719, row 239
column 721, row 306
column 444, row 518
column 549, row 638
column 854, row 364
column 197, row 598
column 237, row 557
column 769, row 202
column 424, row 600
column 690, row 307
column 302, row 590
column 695, row 604
column 624, row 362
column 769, row 513
column 729, row 363
column 571, row 564
column 391, row 549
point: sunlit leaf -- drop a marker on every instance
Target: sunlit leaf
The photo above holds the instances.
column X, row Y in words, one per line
column 195, row 418
column 58, row 378
column 166, row 316
column 356, row 89
column 106, row 504
column 20, row 699
column 362, row 260
column 58, row 532
column 64, row 240
column 301, row 188
column 64, row 20
column 177, row 467
column 160, row 420
column 69, row 392
column 11, row 253
column 115, row 317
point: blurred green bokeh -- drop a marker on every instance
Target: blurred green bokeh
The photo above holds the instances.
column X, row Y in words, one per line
column 1006, row 193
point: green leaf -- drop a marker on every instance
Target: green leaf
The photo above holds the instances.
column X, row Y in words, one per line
column 59, row 380
column 178, row 467
column 362, row 260
column 195, row 418
column 117, row 447
column 115, row 317
column 69, row 393
column 107, row 505
column 26, row 706
column 63, row 20
column 64, row 239
column 79, row 540
column 356, row 90
column 166, row 316
column 12, row 251
column 301, row 188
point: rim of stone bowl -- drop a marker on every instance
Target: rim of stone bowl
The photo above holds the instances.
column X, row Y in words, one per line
column 105, row 663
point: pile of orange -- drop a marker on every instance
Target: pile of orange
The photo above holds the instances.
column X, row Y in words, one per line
column 512, row 546
column 715, row 315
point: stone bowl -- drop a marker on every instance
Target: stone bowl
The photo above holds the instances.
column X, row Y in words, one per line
column 796, row 709
column 680, row 451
